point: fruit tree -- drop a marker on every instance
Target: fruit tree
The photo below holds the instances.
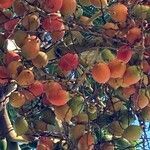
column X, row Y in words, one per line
column 74, row 74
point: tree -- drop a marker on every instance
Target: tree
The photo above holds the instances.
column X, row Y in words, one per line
column 74, row 74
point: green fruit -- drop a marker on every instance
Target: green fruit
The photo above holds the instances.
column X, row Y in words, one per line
column 21, row 126
column 76, row 105
column 107, row 55
column 132, row 133
column 3, row 144
column 142, row 11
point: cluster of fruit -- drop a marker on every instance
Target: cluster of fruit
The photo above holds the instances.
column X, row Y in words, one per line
column 78, row 111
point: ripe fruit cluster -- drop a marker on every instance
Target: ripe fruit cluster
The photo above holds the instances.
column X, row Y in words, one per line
column 79, row 85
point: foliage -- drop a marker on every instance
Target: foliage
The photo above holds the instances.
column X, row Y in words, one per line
column 74, row 74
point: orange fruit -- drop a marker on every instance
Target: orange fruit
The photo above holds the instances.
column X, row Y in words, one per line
column 101, row 73
column 31, row 47
column 25, row 78
column 133, row 35
column 117, row 68
column 131, row 76
column 17, row 99
column 118, row 12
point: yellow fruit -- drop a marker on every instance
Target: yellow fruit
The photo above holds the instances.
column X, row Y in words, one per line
column 17, row 99
column 41, row 60
column 21, row 126
column 116, row 128
column 25, row 78
column 63, row 113
column 132, row 133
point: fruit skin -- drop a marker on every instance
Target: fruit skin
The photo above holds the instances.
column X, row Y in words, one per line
column 128, row 91
column 110, row 29
column 19, row 37
column 4, row 75
column 10, row 25
column 68, row 7
column 50, row 5
column 86, row 142
column 63, row 113
column 132, row 133
column 117, row 68
column 25, row 78
column 47, row 142
column 6, row 3
column 34, row 90
column 68, row 62
column 54, row 24
column 101, row 73
column 42, row 147
column 55, row 94
column 99, row 3
column 133, row 35
column 31, row 47
column 41, row 60
column 11, row 56
column 131, row 76
column 77, row 131
column 140, row 99
column 21, row 126
column 82, row 118
column 19, row 8
column 146, row 66
column 118, row 12
column 145, row 113
column 17, row 99
column 31, row 22
column 116, row 128
column 14, row 68
column 124, row 53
